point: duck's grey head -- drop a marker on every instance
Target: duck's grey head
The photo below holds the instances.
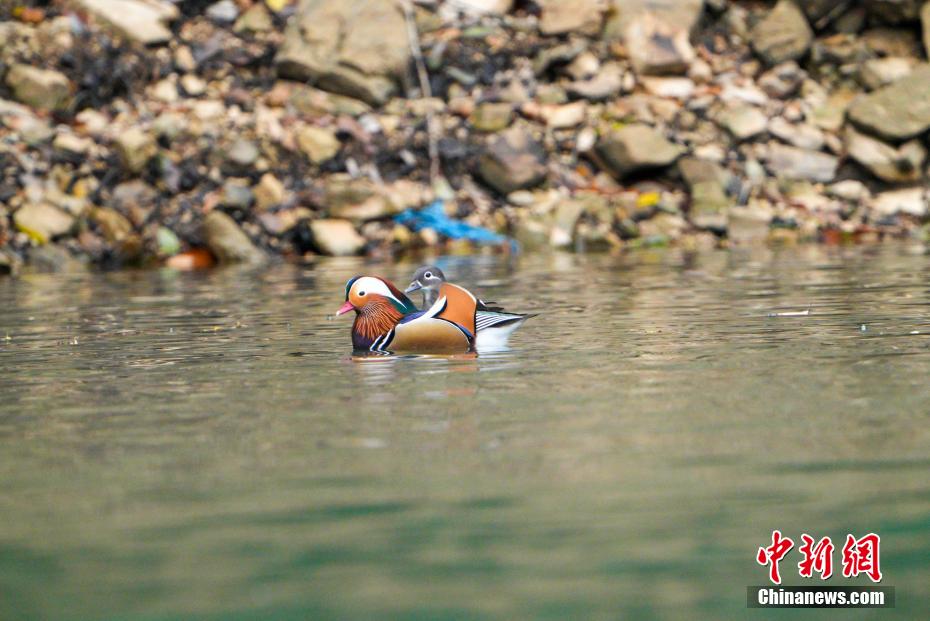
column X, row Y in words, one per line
column 427, row 277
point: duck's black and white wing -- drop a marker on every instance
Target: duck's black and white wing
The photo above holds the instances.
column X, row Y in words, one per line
column 493, row 328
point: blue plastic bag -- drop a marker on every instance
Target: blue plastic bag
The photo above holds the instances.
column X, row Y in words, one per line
column 433, row 216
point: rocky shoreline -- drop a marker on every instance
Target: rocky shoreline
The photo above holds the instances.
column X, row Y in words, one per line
column 142, row 132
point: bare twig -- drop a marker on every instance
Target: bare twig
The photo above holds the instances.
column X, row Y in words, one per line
column 432, row 129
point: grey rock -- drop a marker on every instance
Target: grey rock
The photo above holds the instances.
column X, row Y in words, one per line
column 512, row 160
column 357, row 48
column 684, row 14
column 140, row 21
column 193, row 85
column 636, row 147
column 317, row 143
column 605, row 84
column 800, row 135
column 565, row 219
column 783, row 35
column 336, row 237
column 491, row 116
column 227, row 241
column 563, row 116
column 898, row 111
column 849, row 190
column 748, row 224
column 136, row 147
column 256, row 19
column 42, row 222
column 669, row 87
column 268, row 192
column 135, row 198
column 224, row 11
column 709, row 205
column 461, row 76
column 656, row 47
column 118, row 231
column 584, row 66
column 800, row 164
column 891, row 42
column 912, row 201
column 69, row 143
column 237, row 194
column 696, row 170
column 481, row 7
column 44, row 89
column 548, row 56
column 563, row 16
column 49, row 259
column 879, row 72
column 743, row 121
column 782, row 80
column 348, row 198
column 242, row 152
column 900, row 164
column 314, row 102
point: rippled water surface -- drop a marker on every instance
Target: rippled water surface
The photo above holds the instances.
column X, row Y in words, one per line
column 186, row 446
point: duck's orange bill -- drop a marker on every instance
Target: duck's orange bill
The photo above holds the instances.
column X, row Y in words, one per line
column 345, row 308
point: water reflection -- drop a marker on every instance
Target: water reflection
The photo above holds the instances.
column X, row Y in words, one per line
column 189, row 445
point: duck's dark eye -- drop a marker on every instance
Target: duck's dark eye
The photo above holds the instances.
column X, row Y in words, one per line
column 428, row 275
column 361, row 294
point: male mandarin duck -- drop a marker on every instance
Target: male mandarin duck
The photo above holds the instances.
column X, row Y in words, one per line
column 386, row 319
column 492, row 324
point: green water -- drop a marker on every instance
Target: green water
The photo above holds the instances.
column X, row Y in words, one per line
column 203, row 446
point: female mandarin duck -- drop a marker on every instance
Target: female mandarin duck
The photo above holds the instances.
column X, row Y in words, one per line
column 492, row 324
column 386, row 319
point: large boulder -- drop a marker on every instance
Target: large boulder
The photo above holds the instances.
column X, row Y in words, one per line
column 898, row 111
column 637, row 147
column 512, row 161
column 783, row 34
column 357, row 48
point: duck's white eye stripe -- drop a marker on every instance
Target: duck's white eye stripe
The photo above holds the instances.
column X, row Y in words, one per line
column 367, row 284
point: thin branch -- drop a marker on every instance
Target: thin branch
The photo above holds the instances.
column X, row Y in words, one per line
column 432, row 129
